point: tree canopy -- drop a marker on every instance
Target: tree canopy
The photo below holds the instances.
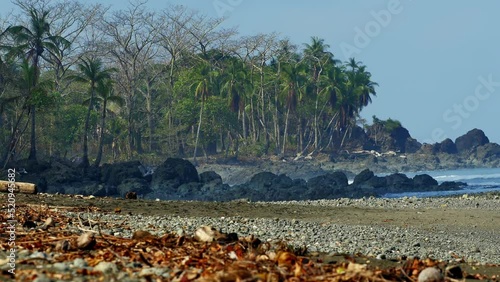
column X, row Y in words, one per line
column 170, row 82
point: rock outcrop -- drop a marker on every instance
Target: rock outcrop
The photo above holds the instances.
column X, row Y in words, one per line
column 469, row 141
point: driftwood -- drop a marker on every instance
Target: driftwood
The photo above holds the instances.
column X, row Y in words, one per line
column 20, row 187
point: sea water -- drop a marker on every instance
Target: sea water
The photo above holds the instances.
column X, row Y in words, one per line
column 478, row 180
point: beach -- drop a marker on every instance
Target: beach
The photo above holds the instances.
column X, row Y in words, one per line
column 461, row 230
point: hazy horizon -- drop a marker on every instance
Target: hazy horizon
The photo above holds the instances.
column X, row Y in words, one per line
column 437, row 64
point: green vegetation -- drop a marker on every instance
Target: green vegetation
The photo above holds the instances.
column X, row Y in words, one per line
column 388, row 125
column 134, row 83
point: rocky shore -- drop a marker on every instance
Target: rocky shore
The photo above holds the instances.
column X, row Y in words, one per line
column 178, row 179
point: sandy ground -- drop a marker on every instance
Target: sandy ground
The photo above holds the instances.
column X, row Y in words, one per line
column 440, row 218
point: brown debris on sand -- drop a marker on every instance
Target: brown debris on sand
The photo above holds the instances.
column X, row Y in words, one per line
column 208, row 255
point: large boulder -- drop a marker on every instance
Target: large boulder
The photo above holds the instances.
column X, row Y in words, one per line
column 396, row 139
column 368, row 181
column 137, row 185
column 61, row 173
column 267, row 186
column 115, row 174
column 424, row 181
column 173, row 173
column 210, row 177
column 447, row 146
column 398, row 182
column 355, row 139
column 472, row 139
column 327, row 186
column 363, row 176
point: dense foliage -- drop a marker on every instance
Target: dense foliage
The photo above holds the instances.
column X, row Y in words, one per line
column 118, row 84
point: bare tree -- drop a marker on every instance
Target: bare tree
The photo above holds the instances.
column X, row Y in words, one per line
column 131, row 42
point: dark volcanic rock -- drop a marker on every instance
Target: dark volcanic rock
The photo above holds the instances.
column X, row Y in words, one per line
column 424, row 181
column 94, row 188
column 447, row 146
column 327, row 186
column 470, row 140
column 136, row 185
column 397, row 139
column 210, row 177
column 173, row 173
column 452, row 185
column 363, row 176
column 267, row 186
column 61, row 173
column 487, row 153
column 398, row 182
column 114, row 174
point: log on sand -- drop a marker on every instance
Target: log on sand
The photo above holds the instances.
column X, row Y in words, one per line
column 19, row 187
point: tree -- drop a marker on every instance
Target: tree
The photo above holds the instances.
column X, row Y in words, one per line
column 35, row 42
column 294, row 78
column 317, row 57
column 131, row 43
column 202, row 90
column 105, row 95
column 92, row 72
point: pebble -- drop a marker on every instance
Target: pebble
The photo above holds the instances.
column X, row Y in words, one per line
column 106, row 267
column 80, row 263
column 430, row 274
column 153, row 271
column 61, row 266
column 42, row 278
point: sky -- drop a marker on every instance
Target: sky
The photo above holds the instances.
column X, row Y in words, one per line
column 437, row 63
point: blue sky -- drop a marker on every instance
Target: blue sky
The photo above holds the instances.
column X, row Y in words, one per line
column 437, row 63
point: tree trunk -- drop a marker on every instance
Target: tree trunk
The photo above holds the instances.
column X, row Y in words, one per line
column 197, row 135
column 32, row 155
column 285, row 133
column 101, row 137
column 85, row 159
column 12, row 141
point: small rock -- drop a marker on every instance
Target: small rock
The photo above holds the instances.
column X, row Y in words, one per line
column 106, row 267
column 42, row 278
column 80, row 263
column 454, row 272
column 430, row 274
column 131, row 195
column 205, row 234
column 49, row 222
column 39, row 255
column 152, row 271
column 180, row 232
column 60, row 266
column 63, row 245
column 86, row 241
column 142, row 235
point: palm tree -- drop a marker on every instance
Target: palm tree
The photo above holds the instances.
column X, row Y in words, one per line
column 293, row 78
column 105, row 95
column 236, row 85
column 92, row 72
column 318, row 57
column 202, row 90
column 364, row 87
column 35, row 42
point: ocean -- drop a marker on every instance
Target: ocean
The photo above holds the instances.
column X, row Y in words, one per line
column 478, row 180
